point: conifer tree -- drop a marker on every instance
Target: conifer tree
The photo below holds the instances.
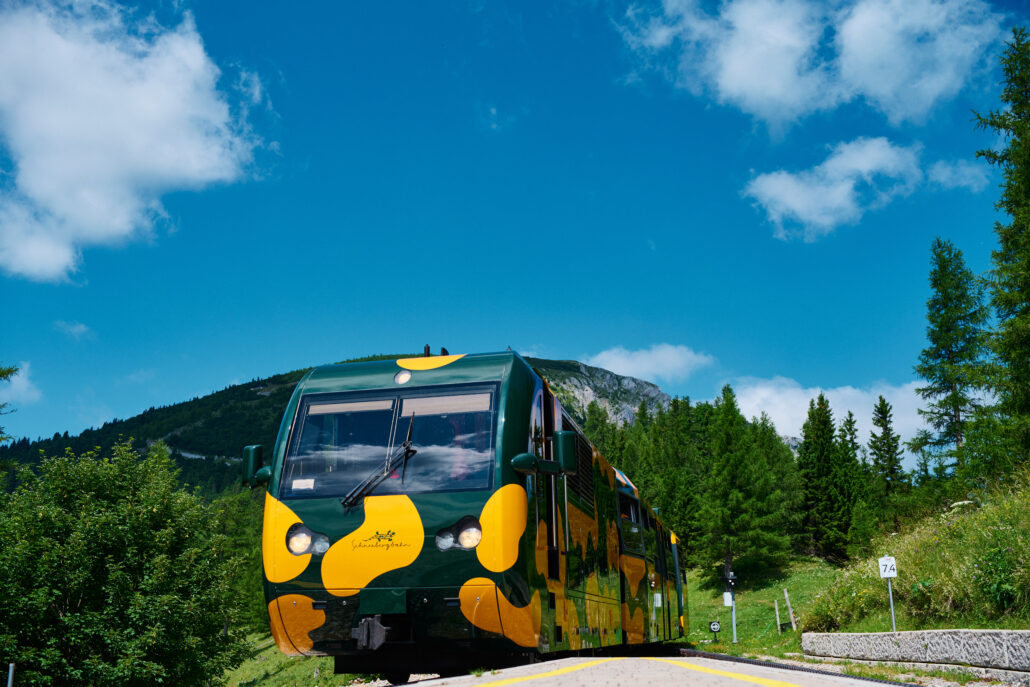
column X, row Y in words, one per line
column 845, row 489
column 885, row 449
column 952, row 362
column 744, row 511
column 1010, row 276
column 815, row 468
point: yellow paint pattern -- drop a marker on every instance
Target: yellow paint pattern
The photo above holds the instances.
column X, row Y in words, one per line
column 521, row 625
column 478, row 599
column 633, row 625
column 391, row 537
column 503, row 521
column 280, row 564
column 298, row 620
column 282, row 640
column 485, row 606
column 633, row 568
column 428, row 363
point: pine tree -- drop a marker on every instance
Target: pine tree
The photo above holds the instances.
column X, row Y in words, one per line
column 952, row 362
column 815, row 467
column 743, row 509
column 845, row 489
column 1010, row 276
column 885, row 449
column 862, row 529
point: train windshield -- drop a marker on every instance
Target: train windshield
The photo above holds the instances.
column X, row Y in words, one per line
column 340, row 440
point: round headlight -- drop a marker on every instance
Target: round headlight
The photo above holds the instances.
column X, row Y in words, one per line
column 321, row 544
column 445, row 540
column 469, row 537
column 299, row 541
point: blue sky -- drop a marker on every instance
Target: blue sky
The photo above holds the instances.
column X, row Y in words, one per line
column 194, row 195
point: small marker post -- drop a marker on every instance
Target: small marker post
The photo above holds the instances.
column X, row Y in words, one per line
column 888, row 570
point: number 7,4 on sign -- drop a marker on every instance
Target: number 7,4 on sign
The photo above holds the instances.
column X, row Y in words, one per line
column 888, row 567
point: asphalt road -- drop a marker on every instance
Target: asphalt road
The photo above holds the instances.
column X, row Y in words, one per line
column 643, row 672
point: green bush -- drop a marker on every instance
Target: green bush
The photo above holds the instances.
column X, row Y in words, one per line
column 963, row 566
column 110, row 575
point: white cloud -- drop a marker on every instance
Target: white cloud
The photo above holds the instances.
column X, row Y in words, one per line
column 76, row 330
column 661, row 361
column 785, row 401
column 783, row 59
column 19, row 389
column 906, row 55
column 101, row 114
column 959, row 174
column 857, row 176
column 761, row 56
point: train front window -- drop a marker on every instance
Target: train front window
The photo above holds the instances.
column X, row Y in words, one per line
column 342, row 442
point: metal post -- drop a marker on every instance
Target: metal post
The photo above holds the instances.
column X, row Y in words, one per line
column 10, row 675
column 776, row 605
column 890, row 593
column 733, row 612
column 790, row 611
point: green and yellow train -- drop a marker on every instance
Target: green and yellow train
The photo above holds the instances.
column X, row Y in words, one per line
column 432, row 514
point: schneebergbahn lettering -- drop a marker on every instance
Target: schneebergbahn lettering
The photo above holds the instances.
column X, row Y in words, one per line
column 424, row 512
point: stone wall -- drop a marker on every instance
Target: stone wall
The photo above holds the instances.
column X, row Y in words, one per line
column 1002, row 649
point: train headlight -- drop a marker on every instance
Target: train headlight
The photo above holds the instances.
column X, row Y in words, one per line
column 445, row 540
column 465, row 534
column 301, row 541
column 470, row 537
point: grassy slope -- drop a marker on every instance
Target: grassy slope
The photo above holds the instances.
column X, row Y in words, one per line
column 967, row 569
column 268, row 667
column 756, row 614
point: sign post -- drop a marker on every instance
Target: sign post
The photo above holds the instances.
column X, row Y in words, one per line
column 714, row 626
column 889, row 569
column 731, row 582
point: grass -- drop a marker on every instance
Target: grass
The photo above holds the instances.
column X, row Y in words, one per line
column 756, row 613
column 960, row 569
column 268, row 667
column 881, row 671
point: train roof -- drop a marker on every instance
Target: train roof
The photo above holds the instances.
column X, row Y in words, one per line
column 428, row 370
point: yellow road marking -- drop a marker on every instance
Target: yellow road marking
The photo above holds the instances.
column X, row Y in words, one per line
column 736, row 676
column 552, row 673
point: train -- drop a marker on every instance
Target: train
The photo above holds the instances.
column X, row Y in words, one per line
column 443, row 512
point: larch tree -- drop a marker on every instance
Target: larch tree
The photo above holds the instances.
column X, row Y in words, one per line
column 952, row 362
column 1010, row 276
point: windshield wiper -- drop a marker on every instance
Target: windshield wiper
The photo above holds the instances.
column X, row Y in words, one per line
column 403, row 453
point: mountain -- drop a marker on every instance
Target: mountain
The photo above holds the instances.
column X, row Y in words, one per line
column 207, row 434
column 577, row 384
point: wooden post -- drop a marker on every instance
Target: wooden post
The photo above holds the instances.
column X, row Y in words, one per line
column 776, row 604
column 790, row 611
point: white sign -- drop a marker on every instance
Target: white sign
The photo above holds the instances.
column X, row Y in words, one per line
column 888, row 567
column 727, row 599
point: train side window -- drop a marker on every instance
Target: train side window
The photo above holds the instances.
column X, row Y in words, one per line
column 630, row 530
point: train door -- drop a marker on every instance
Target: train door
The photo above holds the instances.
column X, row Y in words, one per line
column 633, row 567
column 651, row 575
column 662, row 593
column 549, row 486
